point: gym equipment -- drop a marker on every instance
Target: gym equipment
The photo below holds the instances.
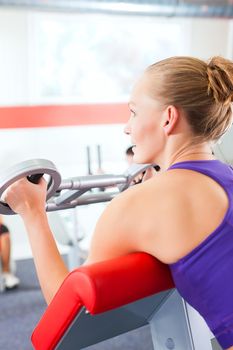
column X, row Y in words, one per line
column 76, row 187
column 33, row 170
column 89, row 159
column 68, row 237
column 87, row 295
column 100, row 301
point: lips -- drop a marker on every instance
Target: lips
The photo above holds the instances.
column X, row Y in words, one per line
column 133, row 147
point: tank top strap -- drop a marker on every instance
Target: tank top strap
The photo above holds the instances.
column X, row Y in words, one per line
column 220, row 172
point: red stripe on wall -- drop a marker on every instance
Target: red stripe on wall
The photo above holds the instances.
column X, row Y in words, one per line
column 62, row 115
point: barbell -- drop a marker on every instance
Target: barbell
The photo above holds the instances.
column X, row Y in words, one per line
column 75, row 187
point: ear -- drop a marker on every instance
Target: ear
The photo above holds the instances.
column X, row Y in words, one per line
column 171, row 118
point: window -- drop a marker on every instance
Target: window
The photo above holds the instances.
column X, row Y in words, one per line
column 84, row 58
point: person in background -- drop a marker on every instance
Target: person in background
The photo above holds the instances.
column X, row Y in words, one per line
column 129, row 155
column 9, row 279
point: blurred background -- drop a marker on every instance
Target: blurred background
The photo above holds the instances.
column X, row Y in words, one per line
column 66, row 72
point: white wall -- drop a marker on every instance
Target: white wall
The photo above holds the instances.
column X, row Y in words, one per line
column 66, row 147
column 209, row 37
column 13, row 57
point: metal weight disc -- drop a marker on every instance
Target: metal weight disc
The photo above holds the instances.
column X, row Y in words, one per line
column 24, row 169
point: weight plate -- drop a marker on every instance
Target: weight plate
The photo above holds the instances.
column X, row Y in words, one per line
column 24, row 169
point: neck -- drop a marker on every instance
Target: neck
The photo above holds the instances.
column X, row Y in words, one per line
column 189, row 152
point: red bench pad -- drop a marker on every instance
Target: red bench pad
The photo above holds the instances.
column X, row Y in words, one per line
column 100, row 287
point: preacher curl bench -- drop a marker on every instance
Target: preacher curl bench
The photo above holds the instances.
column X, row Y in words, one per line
column 99, row 301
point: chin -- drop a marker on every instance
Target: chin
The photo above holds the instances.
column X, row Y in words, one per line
column 140, row 160
column 141, row 157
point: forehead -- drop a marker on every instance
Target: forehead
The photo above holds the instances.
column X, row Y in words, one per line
column 141, row 85
column 142, row 94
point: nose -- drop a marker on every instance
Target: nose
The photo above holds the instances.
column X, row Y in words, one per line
column 127, row 128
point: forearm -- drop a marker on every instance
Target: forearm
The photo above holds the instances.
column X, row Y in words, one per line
column 50, row 267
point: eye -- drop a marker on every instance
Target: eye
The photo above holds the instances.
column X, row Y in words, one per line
column 132, row 113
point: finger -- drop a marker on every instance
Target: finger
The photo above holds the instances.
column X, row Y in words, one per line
column 150, row 172
column 4, row 196
column 42, row 182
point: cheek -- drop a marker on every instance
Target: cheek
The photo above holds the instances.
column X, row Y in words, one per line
column 148, row 133
column 142, row 131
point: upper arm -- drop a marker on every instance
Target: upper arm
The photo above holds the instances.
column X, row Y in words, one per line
column 112, row 235
column 131, row 222
column 115, row 232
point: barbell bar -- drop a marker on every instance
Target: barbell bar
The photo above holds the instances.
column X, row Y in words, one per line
column 76, row 187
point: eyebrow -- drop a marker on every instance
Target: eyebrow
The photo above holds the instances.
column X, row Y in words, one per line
column 131, row 103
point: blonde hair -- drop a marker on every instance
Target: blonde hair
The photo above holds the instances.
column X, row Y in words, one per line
column 203, row 90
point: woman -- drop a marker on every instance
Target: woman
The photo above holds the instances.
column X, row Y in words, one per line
column 184, row 214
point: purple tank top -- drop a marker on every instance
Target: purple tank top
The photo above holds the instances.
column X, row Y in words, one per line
column 204, row 277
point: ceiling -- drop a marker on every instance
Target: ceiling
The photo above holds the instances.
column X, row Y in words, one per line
column 170, row 8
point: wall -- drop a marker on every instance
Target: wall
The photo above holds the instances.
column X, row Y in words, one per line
column 13, row 57
column 209, row 37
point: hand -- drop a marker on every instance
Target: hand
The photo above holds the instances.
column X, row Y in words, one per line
column 149, row 173
column 25, row 197
column 146, row 175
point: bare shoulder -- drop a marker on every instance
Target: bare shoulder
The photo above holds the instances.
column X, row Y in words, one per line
column 132, row 220
column 166, row 216
column 141, row 200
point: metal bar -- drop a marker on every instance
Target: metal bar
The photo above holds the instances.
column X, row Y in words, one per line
column 89, row 161
column 171, row 8
column 66, row 184
column 69, row 196
column 99, row 158
column 92, row 181
column 84, row 200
